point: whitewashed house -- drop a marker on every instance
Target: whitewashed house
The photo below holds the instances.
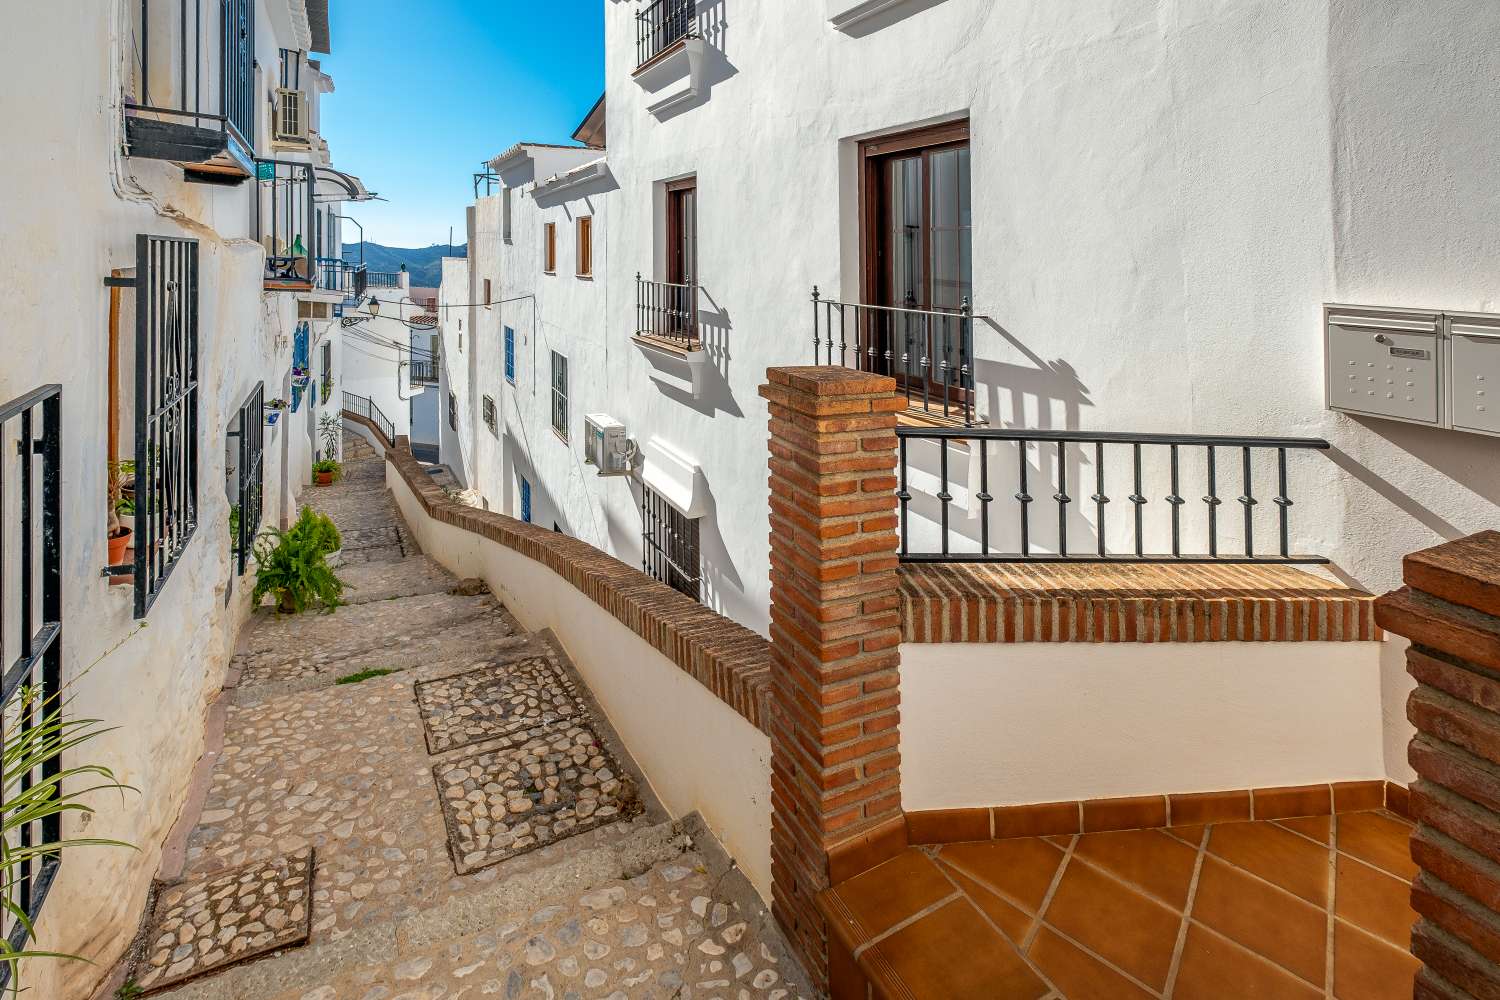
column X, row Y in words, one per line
column 169, row 210
column 1154, row 282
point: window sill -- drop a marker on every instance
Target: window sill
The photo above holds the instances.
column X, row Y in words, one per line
column 584, row 277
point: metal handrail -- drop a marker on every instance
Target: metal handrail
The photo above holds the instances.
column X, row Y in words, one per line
column 662, row 24
column 363, row 406
column 1066, row 449
column 667, row 311
column 930, row 352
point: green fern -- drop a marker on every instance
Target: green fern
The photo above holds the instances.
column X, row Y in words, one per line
column 293, row 565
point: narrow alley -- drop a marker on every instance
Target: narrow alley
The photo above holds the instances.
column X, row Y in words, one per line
column 416, row 799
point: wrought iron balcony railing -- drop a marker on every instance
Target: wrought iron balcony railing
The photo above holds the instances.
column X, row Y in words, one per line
column 284, row 216
column 336, row 275
column 385, row 279
column 202, row 112
column 662, row 24
column 930, row 352
column 1151, row 472
column 667, row 312
column 424, row 373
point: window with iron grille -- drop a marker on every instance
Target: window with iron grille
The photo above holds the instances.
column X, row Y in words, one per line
column 452, row 412
column 247, row 475
column 31, row 647
column 525, row 500
column 510, row 355
column 166, row 410
column 560, row 395
column 489, row 416
column 669, row 544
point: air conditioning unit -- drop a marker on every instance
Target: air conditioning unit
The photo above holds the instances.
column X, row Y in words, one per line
column 291, row 116
column 606, row 447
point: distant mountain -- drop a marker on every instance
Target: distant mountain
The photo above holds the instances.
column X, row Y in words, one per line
column 425, row 264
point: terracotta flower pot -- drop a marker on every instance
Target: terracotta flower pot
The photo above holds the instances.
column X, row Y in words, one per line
column 323, row 478
column 286, row 605
column 118, row 543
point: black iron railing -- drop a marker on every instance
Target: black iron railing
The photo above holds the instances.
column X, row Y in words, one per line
column 284, row 216
column 215, row 85
column 385, row 279
column 336, row 275
column 670, row 545
column 930, row 352
column 248, row 432
column 1083, row 469
column 667, row 311
column 662, row 24
column 424, row 373
column 362, row 406
column 31, row 642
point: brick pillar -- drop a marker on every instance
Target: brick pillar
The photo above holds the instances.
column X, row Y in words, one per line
column 835, row 629
column 1450, row 610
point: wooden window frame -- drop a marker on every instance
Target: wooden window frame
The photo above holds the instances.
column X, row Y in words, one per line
column 487, row 296
column 549, row 248
column 584, row 237
column 676, row 273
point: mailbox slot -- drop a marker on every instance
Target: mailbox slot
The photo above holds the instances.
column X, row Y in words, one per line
column 1386, row 363
column 1474, row 385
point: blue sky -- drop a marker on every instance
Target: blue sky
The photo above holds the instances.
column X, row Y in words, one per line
column 427, row 89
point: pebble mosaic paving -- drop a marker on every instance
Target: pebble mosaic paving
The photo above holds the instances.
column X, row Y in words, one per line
column 502, row 802
column 519, row 700
column 202, row 925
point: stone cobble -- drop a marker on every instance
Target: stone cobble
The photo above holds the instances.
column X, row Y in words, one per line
column 523, row 698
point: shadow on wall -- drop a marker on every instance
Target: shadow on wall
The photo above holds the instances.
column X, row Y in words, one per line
column 599, row 186
column 713, row 28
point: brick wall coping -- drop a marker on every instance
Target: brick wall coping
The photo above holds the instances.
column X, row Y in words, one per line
column 1090, row 602
column 724, row 656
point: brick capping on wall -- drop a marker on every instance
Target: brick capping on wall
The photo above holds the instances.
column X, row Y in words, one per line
column 835, row 633
column 1145, row 812
column 724, row 656
column 1450, row 610
column 1182, row 602
column 374, row 428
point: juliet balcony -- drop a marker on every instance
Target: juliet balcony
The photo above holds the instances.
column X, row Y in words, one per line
column 191, row 96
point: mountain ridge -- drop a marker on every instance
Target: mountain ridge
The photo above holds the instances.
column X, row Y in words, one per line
column 425, row 264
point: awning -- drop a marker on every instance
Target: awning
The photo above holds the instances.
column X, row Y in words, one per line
column 678, row 479
column 335, row 185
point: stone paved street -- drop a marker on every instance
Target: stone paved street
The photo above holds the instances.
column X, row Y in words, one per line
column 473, row 824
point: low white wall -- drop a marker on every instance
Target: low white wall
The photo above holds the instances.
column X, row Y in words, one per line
column 697, row 752
column 1037, row 722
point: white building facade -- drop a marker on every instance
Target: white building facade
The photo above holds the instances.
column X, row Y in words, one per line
column 1144, row 209
column 165, row 224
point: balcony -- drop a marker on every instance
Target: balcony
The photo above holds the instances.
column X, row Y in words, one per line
column 667, row 332
column 385, row 279
column 336, row 275
column 424, row 373
column 284, row 213
column 193, row 99
column 929, row 352
column 669, row 51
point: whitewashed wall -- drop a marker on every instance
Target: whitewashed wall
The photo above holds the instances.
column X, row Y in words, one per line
column 70, row 213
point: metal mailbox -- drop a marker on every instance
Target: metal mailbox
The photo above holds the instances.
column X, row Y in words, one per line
column 1474, row 385
column 1386, row 363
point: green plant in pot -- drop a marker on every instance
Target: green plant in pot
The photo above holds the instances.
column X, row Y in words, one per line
column 118, row 531
column 293, row 565
column 325, row 471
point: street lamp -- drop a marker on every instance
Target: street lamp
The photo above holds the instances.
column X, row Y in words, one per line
column 374, row 308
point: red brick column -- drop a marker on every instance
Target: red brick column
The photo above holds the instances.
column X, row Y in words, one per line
column 835, row 626
column 1450, row 610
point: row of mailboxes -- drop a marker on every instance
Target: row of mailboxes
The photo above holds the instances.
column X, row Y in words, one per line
column 1434, row 368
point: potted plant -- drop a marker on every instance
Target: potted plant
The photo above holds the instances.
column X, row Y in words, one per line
column 325, row 471
column 293, row 565
column 125, row 511
column 273, row 410
column 118, row 534
column 330, row 429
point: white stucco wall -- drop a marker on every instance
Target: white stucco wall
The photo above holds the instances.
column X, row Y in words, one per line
column 377, row 353
column 989, row 725
column 697, row 753
column 70, row 213
column 456, row 440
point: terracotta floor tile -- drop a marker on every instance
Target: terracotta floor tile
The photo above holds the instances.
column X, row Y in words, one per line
column 1191, row 835
column 1382, row 840
column 1367, row 969
column 1266, row 920
column 1012, row 921
column 951, row 954
column 1150, row 859
column 1020, row 869
column 1077, row 974
column 1276, row 855
column 1318, row 828
column 889, row 893
column 1374, row 901
column 1214, row 969
column 1121, row 925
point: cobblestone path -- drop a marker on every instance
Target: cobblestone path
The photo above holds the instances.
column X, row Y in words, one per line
column 472, row 825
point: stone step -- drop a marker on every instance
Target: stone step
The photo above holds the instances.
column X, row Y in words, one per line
column 411, row 576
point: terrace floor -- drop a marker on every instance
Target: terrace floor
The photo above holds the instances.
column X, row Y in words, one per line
column 1296, row 908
